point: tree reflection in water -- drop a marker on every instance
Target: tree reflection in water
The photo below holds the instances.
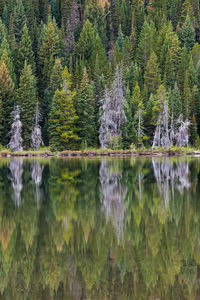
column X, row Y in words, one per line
column 100, row 229
column 16, row 172
column 114, row 193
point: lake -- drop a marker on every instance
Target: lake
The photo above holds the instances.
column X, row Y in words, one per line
column 107, row 228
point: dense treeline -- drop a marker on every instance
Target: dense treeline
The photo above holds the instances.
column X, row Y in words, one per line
column 105, row 73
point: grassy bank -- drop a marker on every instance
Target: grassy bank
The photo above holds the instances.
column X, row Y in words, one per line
column 45, row 152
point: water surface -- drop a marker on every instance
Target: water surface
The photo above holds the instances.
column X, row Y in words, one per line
column 100, row 229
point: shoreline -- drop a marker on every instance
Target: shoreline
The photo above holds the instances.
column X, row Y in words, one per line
column 99, row 153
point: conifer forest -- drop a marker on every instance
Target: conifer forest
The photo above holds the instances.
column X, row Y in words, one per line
column 111, row 74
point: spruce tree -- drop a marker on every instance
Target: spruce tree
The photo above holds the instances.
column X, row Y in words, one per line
column 186, row 98
column 151, row 77
column 182, row 68
column 26, row 99
column 63, row 117
column 19, row 19
column 149, row 122
column 175, row 103
column 193, row 131
column 49, row 49
column 6, row 102
column 25, row 52
column 55, row 83
column 172, row 58
column 187, row 34
column 7, row 58
column 138, row 114
column 3, row 31
column 85, row 44
column 146, row 44
column 85, row 103
column 195, row 54
column 128, row 130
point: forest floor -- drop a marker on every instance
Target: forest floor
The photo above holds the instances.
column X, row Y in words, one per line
column 103, row 152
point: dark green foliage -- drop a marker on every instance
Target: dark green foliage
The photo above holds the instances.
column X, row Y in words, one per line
column 25, row 52
column 19, row 19
column 62, row 119
column 187, row 34
column 85, row 104
column 26, row 98
column 175, row 104
column 128, row 130
column 153, row 42
column 6, row 102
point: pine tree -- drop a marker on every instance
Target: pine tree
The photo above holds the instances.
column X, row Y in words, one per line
column 120, row 38
column 127, row 52
column 98, row 51
column 3, row 31
column 172, row 58
column 7, row 58
column 85, row 44
column 138, row 114
column 149, row 122
column 151, row 76
column 85, row 103
column 63, row 117
column 6, row 102
column 186, row 11
column 26, row 99
column 128, row 130
column 183, row 66
column 175, row 103
column 187, row 34
column 19, row 19
column 192, row 79
column 146, row 44
column 49, row 49
column 55, row 83
column 186, row 98
column 195, row 54
column 193, row 131
column 25, row 52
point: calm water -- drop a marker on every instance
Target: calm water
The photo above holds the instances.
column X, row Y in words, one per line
column 100, row 229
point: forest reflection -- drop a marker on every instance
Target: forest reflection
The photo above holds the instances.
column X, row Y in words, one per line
column 100, row 229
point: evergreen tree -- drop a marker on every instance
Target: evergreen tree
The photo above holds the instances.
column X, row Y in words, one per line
column 175, row 103
column 182, row 68
column 25, row 52
column 85, row 103
column 138, row 114
column 49, row 49
column 149, row 122
column 6, row 57
column 120, row 38
column 187, row 34
column 6, row 102
column 26, row 98
column 128, row 130
column 195, row 54
column 146, row 44
column 63, row 117
column 151, row 76
column 186, row 98
column 19, row 19
column 85, row 43
column 55, row 83
column 172, row 58
column 193, row 131
column 3, row 31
